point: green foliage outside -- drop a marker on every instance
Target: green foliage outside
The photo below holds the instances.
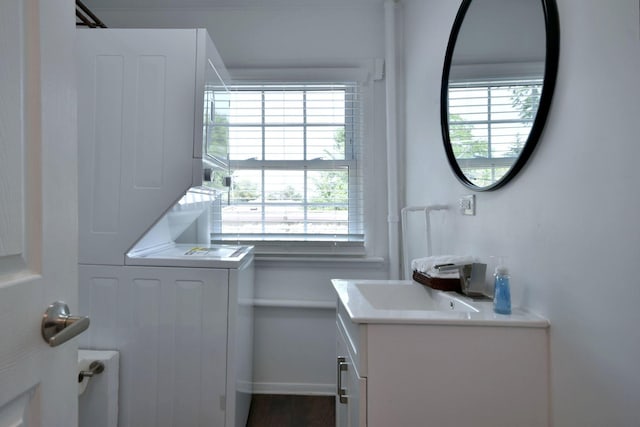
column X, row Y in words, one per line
column 289, row 194
column 463, row 144
column 332, row 186
column 244, row 190
column 525, row 100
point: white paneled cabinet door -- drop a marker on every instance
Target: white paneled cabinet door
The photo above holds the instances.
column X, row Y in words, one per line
column 38, row 204
column 351, row 388
column 357, row 389
column 342, row 415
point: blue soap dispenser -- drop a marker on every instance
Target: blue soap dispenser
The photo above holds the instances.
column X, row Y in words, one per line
column 502, row 291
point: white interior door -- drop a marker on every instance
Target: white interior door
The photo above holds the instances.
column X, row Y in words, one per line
column 38, row 210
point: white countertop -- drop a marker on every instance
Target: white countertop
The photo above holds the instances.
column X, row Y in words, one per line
column 360, row 309
column 191, row 255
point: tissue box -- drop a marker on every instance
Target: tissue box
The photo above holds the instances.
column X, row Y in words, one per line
column 438, row 283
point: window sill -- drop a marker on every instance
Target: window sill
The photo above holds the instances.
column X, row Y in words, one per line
column 350, row 250
column 342, row 259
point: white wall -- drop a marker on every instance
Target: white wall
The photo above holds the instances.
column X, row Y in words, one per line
column 294, row 346
column 569, row 221
column 270, row 32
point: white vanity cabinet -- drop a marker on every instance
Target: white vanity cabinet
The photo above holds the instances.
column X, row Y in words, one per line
column 453, row 371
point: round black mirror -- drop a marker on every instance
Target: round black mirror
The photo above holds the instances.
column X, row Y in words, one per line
column 498, row 79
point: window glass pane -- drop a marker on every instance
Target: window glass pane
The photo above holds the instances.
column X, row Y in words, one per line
column 493, row 121
column 524, row 100
column 507, row 139
column 283, row 107
column 246, row 186
column 245, row 143
column 238, row 219
column 468, row 104
column 216, row 137
column 329, row 200
column 245, row 108
column 220, row 106
column 501, row 105
column 469, row 141
column 281, row 219
column 326, row 107
column 284, row 143
column 322, row 221
column 243, row 214
column 329, row 189
column 215, row 123
column 326, row 142
column 281, row 186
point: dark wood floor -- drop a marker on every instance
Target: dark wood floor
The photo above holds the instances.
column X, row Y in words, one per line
column 273, row 410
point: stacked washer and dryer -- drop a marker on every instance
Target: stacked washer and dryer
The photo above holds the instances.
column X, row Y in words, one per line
column 178, row 309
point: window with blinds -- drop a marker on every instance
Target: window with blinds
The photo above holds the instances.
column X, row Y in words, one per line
column 294, row 153
column 489, row 123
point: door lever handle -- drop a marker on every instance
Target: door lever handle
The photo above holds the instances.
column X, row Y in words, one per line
column 58, row 326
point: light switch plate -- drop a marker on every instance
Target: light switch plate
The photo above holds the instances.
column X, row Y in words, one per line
column 468, row 204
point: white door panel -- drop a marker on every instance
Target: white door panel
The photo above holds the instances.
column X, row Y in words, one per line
column 136, row 133
column 38, row 209
column 170, row 326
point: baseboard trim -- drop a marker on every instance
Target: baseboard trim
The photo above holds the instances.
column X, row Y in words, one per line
column 302, row 389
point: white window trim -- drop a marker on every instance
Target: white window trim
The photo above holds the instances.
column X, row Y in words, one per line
column 362, row 74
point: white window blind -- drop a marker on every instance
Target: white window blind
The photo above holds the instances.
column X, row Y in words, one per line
column 294, row 152
column 489, row 123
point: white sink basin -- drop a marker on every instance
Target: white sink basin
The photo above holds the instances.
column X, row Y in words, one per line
column 408, row 302
column 383, row 296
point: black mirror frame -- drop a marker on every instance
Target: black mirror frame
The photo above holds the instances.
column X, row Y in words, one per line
column 552, row 31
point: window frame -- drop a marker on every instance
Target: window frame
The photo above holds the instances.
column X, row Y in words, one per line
column 312, row 244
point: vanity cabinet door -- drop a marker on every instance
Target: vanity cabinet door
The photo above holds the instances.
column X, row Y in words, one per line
column 357, row 396
column 351, row 388
column 342, row 416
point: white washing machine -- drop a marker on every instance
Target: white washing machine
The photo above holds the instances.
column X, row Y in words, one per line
column 181, row 315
